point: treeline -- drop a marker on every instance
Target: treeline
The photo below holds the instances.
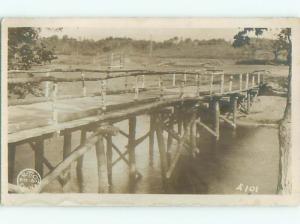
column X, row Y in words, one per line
column 176, row 47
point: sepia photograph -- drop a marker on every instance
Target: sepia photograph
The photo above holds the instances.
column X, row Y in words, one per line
column 142, row 111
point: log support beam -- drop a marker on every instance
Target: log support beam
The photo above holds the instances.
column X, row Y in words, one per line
column 11, row 162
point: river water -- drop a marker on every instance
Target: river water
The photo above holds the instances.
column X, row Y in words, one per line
column 242, row 160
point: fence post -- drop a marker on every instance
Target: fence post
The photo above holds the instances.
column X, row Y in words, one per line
column 174, row 79
column 258, row 78
column 253, row 80
column 136, row 88
column 83, row 85
column 54, row 109
column 247, row 81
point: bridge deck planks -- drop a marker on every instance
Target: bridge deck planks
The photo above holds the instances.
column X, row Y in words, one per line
column 27, row 121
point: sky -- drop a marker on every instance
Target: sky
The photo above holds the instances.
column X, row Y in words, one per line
column 156, row 34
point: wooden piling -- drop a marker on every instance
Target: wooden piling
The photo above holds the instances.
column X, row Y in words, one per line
column 11, row 162
column 216, row 121
column 83, row 85
column 109, row 159
column 162, row 149
column 38, row 156
column 151, row 138
column 80, row 162
column 66, row 151
column 101, row 164
column 179, row 120
column 131, row 148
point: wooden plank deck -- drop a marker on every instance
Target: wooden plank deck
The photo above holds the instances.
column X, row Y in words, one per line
column 27, row 121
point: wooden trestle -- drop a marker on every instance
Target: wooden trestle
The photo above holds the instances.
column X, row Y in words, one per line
column 180, row 119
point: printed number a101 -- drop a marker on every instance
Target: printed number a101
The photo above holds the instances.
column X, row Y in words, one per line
column 247, row 188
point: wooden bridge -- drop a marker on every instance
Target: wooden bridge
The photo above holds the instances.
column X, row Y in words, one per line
column 174, row 101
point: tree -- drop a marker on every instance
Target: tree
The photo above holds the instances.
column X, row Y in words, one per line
column 284, row 185
column 24, row 50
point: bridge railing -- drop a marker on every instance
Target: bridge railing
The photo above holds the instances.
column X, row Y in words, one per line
column 207, row 82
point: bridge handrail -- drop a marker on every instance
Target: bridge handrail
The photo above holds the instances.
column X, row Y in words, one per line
column 122, row 73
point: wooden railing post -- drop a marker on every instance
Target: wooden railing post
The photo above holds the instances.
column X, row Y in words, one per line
column 174, row 79
column 103, row 95
column 258, row 78
column 143, row 82
column 136, row 88
column 83, row 85
column 248, row 101
column 230, row 83
column 181, row 91
column 247, row 81
column 241, row 81
column 161, row 87
column 253, row 80
column 198, row 84
column 211, row 84
column 185, row 77
column 54, row 106
column 126, row 81
column 47, row 84
column 222, row 84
